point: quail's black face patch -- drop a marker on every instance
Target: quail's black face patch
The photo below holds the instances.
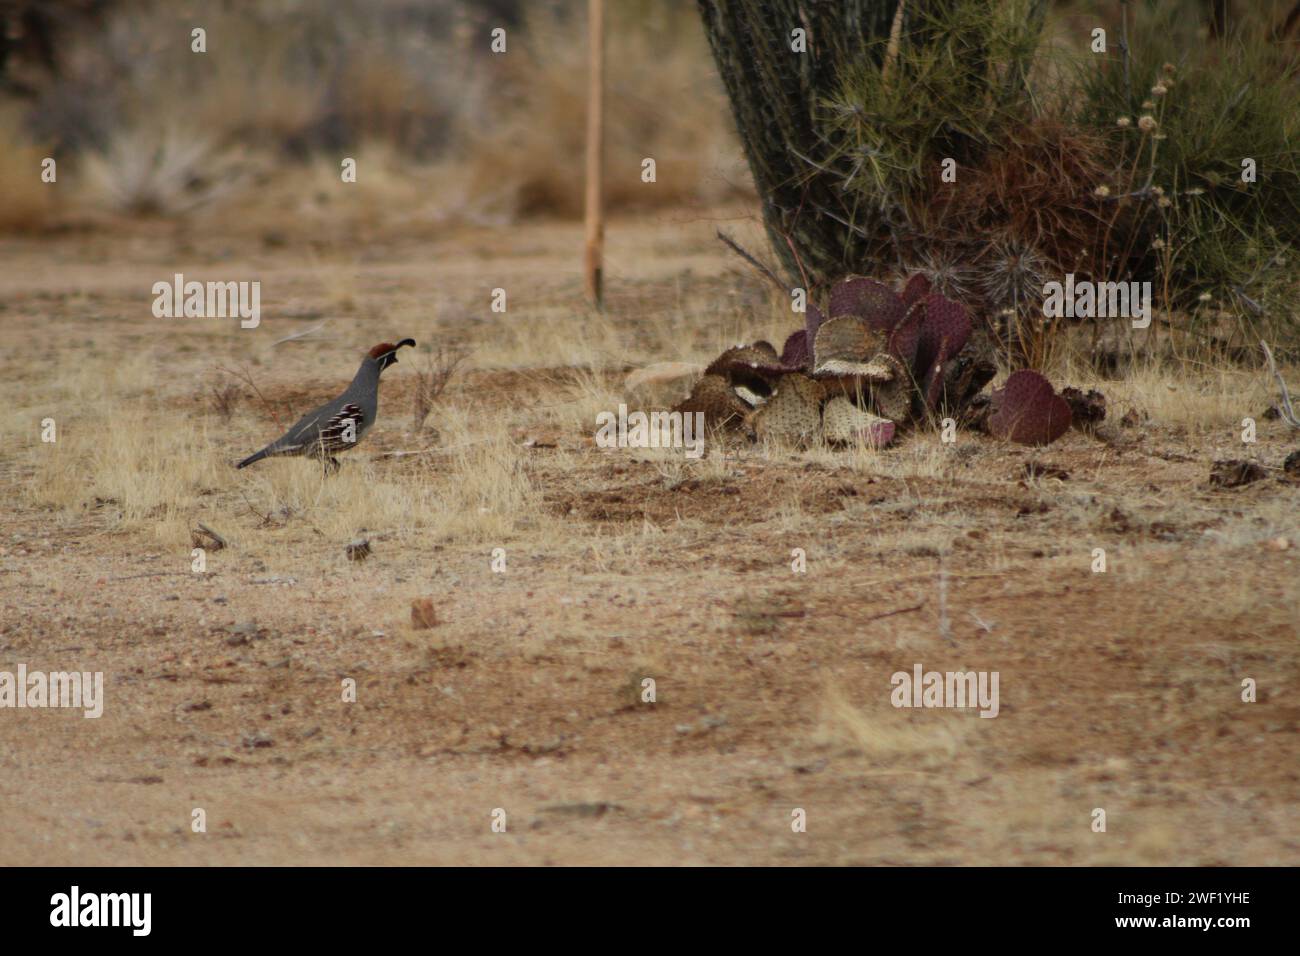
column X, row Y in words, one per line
column 390, row 357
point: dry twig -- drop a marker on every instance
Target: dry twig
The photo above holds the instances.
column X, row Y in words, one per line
column 246, row 377
column 1284, row 406
column 431, row 381
column 739, row 250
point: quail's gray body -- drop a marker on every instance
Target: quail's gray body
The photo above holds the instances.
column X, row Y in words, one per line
column 339, row 424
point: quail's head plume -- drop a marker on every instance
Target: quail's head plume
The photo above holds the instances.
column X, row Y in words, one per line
column 339, row 424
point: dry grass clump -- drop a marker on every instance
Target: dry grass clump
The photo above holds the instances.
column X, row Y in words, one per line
column 431, row 380
column 575, row 404
column 489, row 494
column 139, row 468
column 158, row 471
column 883, row 733
column 162, row 171
column 921, row 456
column 1026, row 214
column 134, row 462
column 1202, row 397
column 474, row 488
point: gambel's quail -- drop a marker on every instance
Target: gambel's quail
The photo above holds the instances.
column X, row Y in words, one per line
column 337, row 425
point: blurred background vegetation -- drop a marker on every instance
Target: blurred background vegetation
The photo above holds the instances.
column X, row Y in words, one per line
column 142, row 126
column 1123, row 164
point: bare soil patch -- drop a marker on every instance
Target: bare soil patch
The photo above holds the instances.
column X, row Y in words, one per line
column 1119, row 690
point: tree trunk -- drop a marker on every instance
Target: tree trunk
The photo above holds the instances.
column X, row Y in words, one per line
column 774, row 92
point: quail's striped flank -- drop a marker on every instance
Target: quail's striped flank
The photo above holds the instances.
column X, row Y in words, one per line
column 338, row 425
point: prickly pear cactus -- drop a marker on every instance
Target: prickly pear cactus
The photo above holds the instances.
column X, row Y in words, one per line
column 872, row 362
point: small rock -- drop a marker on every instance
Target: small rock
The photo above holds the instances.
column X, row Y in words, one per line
column 244, row 633
column 358, row 550
column 1118, row 521
column 1235, row 472
column 1292, row 464
column 423, row 616
column 1277, row 544
column 1087, row 409
column 813, row 766
column 1132, row 418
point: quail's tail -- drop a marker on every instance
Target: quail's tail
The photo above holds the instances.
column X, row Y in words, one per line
column 252, row 458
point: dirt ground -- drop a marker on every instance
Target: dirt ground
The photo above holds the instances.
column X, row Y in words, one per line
column 1119, row 690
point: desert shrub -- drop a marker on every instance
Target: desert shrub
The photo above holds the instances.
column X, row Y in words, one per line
column 1179, row 115
column 1111, row 166
column 843, row 138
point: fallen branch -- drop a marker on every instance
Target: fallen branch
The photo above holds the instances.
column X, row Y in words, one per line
column 901, row 610
column 266, row 519
column 218, row 542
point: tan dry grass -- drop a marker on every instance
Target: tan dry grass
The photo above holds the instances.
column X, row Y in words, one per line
column 26, row 203
column 882, row 733
column 1199, row 396
column 144, row 465
column 621, row 563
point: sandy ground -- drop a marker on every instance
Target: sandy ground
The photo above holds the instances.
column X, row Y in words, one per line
column 1118, row 690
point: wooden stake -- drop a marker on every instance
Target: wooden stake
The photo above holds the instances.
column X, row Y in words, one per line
column 595, row 212
column 895, row 40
